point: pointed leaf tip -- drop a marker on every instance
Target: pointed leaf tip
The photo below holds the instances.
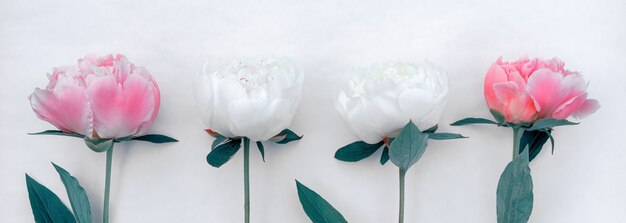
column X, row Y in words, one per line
column 357, row 151
column 56, row 132
column 445, row 136
column 316, row 207
column 549, row 123
column 76, row 193
column 223, row 153
column 259, row 145
column 285, row 137
column 46, row 206
column 408, row 147
column 470, row 121
column 155, row 138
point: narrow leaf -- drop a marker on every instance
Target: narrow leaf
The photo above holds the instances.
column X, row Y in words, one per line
column 155, row 138
column 99, row 145
column 46, row 206
column 548, row 123
column 356, row 151
column 77, row 195
column 259, row 144
column 470, row 121
column 445, row 136
column 515, row 191
column 57, row 132
column 222, row 153
column 385, row 156
column 408, row 147
column 285, row 137
column 318, row 209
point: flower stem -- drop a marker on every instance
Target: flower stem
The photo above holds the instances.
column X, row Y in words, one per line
column 401, row 214
column 246, row 178
column 517, row 140
column 107, row 185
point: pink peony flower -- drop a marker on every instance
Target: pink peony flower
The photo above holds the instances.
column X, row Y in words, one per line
column 530, row 89
column 103, row 97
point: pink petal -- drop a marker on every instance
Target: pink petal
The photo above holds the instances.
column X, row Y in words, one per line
column 157, row 98
column 495, row 74
column 557, row 95
column 544, row 87
column 122, row 110
column 590, row 106
column 67, row 109
column 519, row 107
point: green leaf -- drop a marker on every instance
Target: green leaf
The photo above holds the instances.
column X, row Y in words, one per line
column 285, row 137
column 77, row 195
column 445, row 136
column 356, row 151
column 548, row 123
column 155, row 138
column 431, row 129
column 470, row 121
column 259, row 144
column 499, row 117
column 222, row 153
column 515, row 191
column 218, row 140
column 535, row 141
column 408, row 147
column 318, row 209
column 57, row 132
column 99, row 145
column 46, row 206
column 385, row 156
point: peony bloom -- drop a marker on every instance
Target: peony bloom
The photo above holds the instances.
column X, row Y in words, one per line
column 383, row 98
column 103, row 97
column 254, row 98
column 531, row 89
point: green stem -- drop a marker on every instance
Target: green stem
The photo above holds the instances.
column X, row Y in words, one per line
column 401, row 214
column 517, row 140
column 107, row 186
column 246, row 177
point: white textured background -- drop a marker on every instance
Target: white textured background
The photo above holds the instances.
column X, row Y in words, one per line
column 455, row 181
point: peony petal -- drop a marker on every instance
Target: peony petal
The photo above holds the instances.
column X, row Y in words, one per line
column 121, row 110
column 544, row 87
column 245, row 116
column 278, row 116
column 519, row 107
column 590, row 106
column 557, row 95
column 225, row 91
column 358, row 118
column 506, row 92
column 68, row 110
column 495, row 74
column 388, row 116
column 416, row 104
column 157, row 98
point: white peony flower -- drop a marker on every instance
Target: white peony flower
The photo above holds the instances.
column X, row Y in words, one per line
column 384, row 98
column 254, row 98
